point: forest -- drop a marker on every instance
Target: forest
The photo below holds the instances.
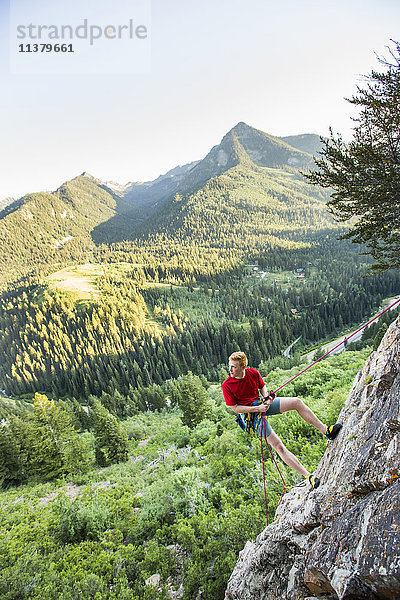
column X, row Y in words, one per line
column 138, row 332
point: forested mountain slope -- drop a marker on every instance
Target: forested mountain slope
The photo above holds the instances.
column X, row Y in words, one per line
column 247, row 207
column 248, row 183
column 246, row 194
column 51, row 228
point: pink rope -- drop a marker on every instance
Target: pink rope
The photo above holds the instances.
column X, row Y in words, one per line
column 263, row 429
column 262, row 460
column 337, row 346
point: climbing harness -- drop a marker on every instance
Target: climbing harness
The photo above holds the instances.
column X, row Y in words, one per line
column 273, row 393
column 249, row 422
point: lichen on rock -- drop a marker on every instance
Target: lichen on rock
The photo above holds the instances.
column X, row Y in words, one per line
column 341, row 541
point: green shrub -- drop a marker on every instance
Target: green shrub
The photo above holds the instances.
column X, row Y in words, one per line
column 79, row 521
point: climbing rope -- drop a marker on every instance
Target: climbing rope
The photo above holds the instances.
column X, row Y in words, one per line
column 263, row 424
column 262, row 460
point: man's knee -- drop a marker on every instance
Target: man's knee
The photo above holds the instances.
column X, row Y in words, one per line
column 278, row 446
column 298, row 404
column 292, row 403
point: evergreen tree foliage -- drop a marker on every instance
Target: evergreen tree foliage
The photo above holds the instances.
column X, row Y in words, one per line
column 45, row 442
column 11, row 467
column 54, row 447
column 111, row 441
column 365, row 173
column 378, row 338
column 189, row 394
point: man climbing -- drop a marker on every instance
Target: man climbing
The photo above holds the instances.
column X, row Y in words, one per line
column 241, row 392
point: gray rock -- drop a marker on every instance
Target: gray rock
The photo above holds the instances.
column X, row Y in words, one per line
column 343, row 539
column 153, row 580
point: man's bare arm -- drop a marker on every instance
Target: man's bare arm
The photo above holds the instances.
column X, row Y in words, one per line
column 265, row 394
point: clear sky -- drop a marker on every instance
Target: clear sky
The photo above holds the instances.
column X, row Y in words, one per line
column 282, row 67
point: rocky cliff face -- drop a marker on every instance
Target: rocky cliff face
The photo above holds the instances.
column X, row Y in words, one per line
column 343, row 539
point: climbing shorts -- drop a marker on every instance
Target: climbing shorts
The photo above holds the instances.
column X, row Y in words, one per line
column 266, row 429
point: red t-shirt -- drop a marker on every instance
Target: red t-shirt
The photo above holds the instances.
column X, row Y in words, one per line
column 242, row 391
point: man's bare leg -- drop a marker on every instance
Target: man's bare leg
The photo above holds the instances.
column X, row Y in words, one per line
column 303, row 410
column 285, row 455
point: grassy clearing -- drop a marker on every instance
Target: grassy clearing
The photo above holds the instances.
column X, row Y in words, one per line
column 79, row 280
column 283, row 279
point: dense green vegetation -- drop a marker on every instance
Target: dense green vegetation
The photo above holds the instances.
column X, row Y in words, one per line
column 182, row 506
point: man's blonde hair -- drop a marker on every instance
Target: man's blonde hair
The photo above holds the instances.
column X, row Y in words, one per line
column 239, row 357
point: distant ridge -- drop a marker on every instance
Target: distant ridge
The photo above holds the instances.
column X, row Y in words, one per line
column 306, row 142
column 144, row 196
column 6, row 202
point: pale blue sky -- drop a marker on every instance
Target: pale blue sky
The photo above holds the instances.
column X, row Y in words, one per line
column 284, row 68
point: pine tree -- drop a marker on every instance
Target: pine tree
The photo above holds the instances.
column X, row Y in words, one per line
column 50, row 442
column 379, row 336
column 189, row 393
column 11, row 466
column 111, row 441
column 365, row 173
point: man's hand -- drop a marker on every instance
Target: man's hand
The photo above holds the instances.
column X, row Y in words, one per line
column 266, row 403
column 268, row 400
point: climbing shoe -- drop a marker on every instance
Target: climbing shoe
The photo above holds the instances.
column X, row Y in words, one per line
column 333, row 430
column 314, row 481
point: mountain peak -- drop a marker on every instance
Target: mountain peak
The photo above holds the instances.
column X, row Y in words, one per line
column 267, row 150
column 241, row 126
column 308, row 143
column 243, row 145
